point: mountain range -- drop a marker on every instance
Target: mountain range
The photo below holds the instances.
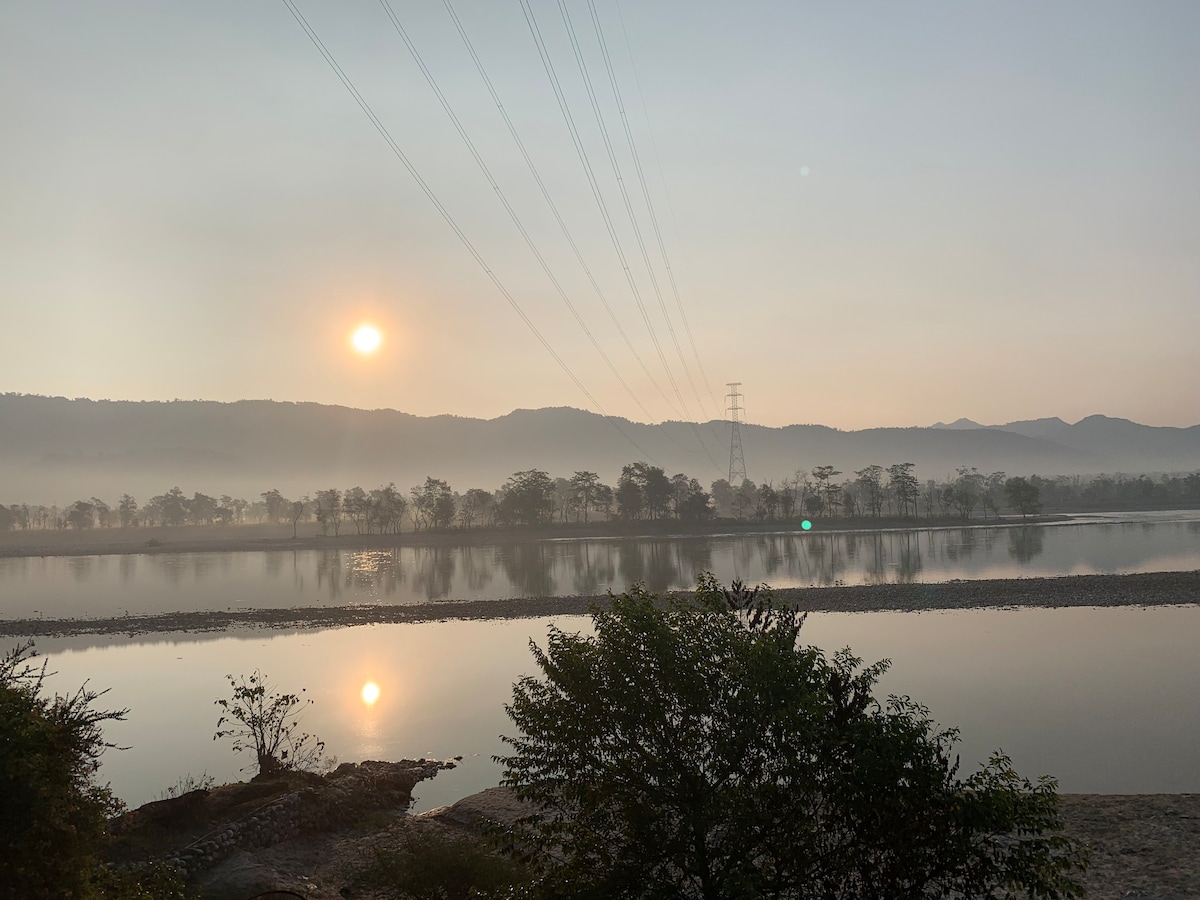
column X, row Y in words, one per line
column 54, row 449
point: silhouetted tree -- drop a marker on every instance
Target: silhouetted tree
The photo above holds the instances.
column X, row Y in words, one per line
column 202, row 509
column 474, row 506
column 630, row 501
column 584, row 485
column 386, row 507
column 102, row 512
column 603, row 500
column 79, row 515
column 528, row 498
column 965, row 493
column 745, row 499
column 870, row 483
column 329, row 510
column 127, row 510
column 276, row 506
column 905, row 487
column 826, row 489
column 357, row 507
column 1023, row 496
column 993, row 493
column 692, row 502
column 433, row 504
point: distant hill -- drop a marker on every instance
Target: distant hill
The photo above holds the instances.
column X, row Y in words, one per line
column 54, row 450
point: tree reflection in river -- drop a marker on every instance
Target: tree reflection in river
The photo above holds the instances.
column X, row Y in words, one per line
column 479, row 564
column 1026, row 542
column 529, row 567
column 433, row 571
column 592, row 565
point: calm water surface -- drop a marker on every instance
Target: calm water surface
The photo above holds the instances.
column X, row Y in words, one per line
column 1103, row 699
column 170, row 582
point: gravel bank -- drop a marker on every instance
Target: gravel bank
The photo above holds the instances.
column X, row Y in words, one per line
column 1143, row 589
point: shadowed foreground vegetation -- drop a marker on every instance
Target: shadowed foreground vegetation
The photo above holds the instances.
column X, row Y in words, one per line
column 690, row 748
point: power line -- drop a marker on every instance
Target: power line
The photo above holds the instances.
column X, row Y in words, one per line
column 612, row 159
column 432, row 82
column 670, row 207
column 512, row 130
column 637, row 165
column 583, row 71
column 445, row 214
column 581, row 152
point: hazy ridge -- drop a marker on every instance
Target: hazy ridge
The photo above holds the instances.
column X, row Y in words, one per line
column 54, row 449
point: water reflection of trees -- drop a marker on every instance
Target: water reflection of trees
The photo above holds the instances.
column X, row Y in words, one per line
column 433, row 571
column 528, row 567
column 591, row 566
column 908, row 556
column 478, row 565
column 329, row 572
column 372, row 572
column 692, row 556
column 961, row 543
column 1026, row 542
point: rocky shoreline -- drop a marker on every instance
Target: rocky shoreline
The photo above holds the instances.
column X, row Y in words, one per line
column 1140, row 589
column 317, row 838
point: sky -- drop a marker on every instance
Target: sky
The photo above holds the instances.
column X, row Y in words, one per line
column 874, row 214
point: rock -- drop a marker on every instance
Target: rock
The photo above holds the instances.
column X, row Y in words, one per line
column 239, row 876
column 496, row 804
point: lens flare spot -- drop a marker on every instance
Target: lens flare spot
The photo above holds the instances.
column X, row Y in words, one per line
column 806, row 525
column 370, row 693
column 366, row 339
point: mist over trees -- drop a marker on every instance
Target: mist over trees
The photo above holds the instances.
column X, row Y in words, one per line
column 643, row 492
column 55, row 450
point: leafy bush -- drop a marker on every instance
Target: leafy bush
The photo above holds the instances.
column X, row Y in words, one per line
column 700, row 751
column 430, row 864
column 260, row 719
column 52, row 813
column 145, row 881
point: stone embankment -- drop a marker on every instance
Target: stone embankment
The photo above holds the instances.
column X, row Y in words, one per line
column 248, row 817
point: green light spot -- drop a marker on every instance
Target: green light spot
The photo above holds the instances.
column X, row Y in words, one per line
column 806, row 525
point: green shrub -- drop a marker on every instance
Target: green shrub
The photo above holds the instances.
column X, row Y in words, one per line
column 266, row 722
column 433, row 865
column 700, row 751
column 52, row 813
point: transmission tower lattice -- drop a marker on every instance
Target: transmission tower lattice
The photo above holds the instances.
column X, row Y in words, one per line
column 737, row 460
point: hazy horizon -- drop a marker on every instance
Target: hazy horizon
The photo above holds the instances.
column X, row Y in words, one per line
column 950, row 422
column 879, row 217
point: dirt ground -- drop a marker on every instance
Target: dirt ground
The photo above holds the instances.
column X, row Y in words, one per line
column 1143, row 847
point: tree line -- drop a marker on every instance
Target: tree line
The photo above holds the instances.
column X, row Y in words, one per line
column 642, row 492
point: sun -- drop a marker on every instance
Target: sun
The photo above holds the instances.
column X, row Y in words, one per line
column 370, row 693
column 367, row 339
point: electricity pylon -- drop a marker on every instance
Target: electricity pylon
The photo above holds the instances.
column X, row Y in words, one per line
column 737, row 460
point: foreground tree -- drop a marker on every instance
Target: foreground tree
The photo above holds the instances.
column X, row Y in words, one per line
column 52, row 812
column 266, row 722
column 698, row 751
